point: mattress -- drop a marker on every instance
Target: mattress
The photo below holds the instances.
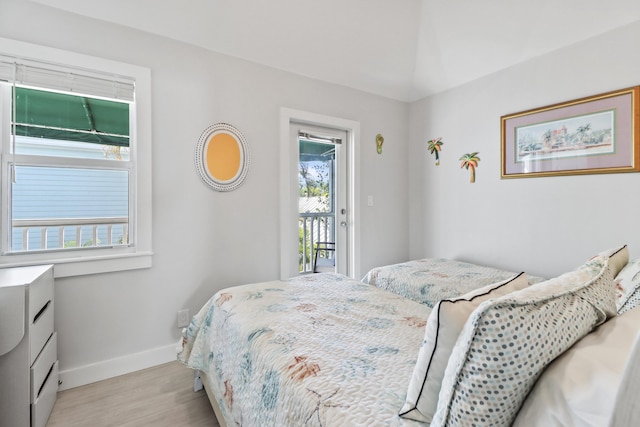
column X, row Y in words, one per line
column 317, row 350
column 430, row 280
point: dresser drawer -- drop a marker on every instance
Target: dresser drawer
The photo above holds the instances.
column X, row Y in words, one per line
column 41, row 330
column 41, row 408
column 40, row 320
column 40, row 291
column 42, row 366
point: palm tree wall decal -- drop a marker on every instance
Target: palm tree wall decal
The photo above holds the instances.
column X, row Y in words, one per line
column 470, row 161
column 435, row 146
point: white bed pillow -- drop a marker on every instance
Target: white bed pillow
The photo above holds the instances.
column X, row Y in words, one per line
column 579, row 388
column 618, row 258
column 441, row 333
column 507, row 343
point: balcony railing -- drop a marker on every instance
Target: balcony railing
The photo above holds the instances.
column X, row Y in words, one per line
column 314, row 227
column 65, row 233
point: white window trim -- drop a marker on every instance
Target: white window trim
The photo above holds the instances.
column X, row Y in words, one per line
column 94, row 261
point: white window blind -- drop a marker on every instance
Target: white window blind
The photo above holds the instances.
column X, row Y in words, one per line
column 55, row 77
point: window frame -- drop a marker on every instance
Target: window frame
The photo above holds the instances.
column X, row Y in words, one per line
column 138, row 254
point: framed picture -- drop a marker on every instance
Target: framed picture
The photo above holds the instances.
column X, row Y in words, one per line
column 222, row 157
column 598, row 134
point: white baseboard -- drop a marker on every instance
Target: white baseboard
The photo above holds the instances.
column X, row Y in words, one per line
column 88, row 374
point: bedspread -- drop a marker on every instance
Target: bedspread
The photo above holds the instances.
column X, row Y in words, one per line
column 317, row 350
column 430, row 280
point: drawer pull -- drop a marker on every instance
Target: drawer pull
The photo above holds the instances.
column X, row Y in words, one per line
column 45, row 380
column 41, row 312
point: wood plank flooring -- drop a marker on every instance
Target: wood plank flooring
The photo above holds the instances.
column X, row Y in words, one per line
column 161, row 396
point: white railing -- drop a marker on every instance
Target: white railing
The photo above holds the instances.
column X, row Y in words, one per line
column 314, row 227
column 71, row 232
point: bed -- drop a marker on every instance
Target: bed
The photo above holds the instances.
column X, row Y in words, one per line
column 286, row 353
column 430, row 280
column 326, row 350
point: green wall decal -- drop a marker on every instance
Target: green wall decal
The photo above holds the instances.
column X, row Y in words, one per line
column 435, row 146
column 379, row 142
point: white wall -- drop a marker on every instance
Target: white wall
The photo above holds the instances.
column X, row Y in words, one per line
column 204, row 240
column 544, row 226
column 114, row 323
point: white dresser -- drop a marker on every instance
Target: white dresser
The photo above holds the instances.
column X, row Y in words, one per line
column 28, row 346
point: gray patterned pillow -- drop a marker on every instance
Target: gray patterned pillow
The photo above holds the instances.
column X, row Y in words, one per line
column 632, row 302
column 507, row 343
column 445, row 322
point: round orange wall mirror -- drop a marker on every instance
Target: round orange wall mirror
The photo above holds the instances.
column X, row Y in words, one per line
column 222, row 157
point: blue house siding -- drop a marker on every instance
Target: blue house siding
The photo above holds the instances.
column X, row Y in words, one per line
column 54, row 193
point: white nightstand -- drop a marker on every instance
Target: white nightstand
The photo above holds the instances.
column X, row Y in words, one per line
column 28, row 346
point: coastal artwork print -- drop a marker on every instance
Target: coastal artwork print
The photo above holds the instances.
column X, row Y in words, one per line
column 598, row 134
column 591, row 134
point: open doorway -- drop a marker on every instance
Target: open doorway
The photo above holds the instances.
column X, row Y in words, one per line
column 322, row 149
column 322, row 200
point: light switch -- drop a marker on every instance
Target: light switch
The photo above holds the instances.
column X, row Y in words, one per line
column 369, row 200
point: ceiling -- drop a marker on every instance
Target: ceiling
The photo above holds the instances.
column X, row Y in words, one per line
column 401, row 49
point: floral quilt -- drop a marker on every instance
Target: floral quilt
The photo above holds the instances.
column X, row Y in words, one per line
column 316, row 350
column 430, row 280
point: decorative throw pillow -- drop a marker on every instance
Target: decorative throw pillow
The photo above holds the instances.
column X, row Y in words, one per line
column 443, row 327
column 618, row 258
column 627, row 283
column 507, row 343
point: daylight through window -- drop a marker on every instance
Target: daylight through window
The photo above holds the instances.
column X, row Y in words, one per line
column 64, row 207
column 67, row 160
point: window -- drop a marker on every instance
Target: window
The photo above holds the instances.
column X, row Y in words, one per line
column 75, row 164
column 70, row 173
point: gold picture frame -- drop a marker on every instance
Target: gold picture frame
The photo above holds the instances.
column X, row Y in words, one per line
column 596, row 134
column 222, row 157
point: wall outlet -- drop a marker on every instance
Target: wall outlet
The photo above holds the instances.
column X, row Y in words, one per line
column 183, row 318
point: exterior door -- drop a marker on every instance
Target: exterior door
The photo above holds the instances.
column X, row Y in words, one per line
column 322, row 198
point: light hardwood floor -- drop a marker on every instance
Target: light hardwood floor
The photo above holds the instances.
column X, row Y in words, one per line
column 159, row 396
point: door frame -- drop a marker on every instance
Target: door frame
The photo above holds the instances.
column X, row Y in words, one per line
column 289, row 154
